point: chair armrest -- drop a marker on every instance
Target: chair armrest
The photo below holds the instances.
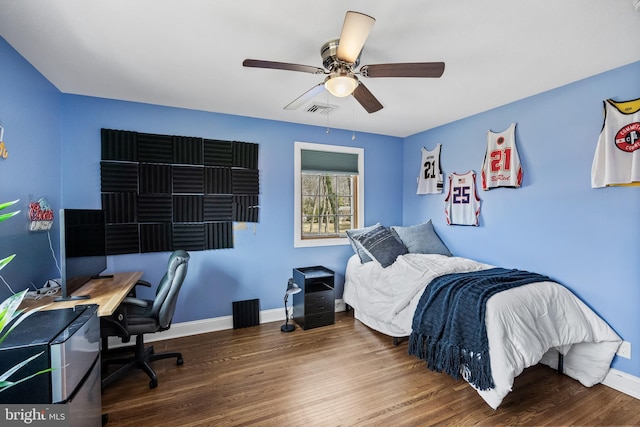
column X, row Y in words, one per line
column 143, row 283
column 135, row 301
column 140, row 282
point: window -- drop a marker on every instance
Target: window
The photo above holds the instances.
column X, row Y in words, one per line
column 329, row 193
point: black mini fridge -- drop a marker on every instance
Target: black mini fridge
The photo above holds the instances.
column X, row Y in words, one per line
column 69, row 340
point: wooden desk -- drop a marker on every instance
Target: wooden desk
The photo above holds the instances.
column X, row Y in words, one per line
column 107, row 293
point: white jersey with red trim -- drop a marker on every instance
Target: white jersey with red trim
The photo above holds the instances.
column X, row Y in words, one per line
column 430, row 180
column 462, row 205
column 617, row 157
column 501, row 165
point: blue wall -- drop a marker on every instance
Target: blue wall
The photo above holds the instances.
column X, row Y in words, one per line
column 30, row 115
column 555, row 224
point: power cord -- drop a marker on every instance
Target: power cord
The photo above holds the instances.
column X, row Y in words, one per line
column 35, row 293
column 5, row 282
column 53, row 254
column 38, row 295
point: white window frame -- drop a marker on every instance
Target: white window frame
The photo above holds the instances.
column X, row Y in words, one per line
column 298, row 241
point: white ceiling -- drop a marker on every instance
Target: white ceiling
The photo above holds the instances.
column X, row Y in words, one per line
column 189, row 53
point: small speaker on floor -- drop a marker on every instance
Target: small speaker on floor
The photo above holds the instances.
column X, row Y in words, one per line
column 246, row 313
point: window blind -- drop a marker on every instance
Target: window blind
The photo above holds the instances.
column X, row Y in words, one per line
column 328, row 161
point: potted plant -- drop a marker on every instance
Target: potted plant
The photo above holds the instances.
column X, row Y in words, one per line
column 9, row 311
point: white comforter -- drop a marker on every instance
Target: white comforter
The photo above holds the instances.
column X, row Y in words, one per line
column 525, row 325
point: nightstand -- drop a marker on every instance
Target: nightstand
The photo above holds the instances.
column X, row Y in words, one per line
column 315, row 305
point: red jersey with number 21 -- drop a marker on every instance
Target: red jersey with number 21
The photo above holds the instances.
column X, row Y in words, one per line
column 501, row 166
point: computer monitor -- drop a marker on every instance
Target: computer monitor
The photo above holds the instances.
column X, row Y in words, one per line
column 82, row 249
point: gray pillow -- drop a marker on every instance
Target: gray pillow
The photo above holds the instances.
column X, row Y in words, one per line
column 421, row 239
column 381, row 245
column 357, row 246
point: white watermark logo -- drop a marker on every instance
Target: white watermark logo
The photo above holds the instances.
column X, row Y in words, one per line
column 39, row 415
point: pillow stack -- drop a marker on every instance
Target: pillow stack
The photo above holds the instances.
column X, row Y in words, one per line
column 385, row 245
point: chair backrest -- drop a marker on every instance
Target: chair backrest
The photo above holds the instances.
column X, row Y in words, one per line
column 164, row 304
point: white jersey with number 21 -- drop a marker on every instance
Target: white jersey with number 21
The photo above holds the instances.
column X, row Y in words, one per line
column 430, row 180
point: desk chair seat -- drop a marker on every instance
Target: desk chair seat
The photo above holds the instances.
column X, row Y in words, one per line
column 138, row 317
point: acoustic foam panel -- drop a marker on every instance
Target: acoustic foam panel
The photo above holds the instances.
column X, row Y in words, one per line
column 163, row 192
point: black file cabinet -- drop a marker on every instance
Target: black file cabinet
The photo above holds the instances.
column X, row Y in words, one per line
column 315, row 305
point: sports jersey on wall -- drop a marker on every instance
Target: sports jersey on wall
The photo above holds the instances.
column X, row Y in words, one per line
column 501, row 165
column 617, row 157
column 462, row 205
column 430, row 180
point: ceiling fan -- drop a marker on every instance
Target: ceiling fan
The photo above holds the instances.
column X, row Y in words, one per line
column 340, row 58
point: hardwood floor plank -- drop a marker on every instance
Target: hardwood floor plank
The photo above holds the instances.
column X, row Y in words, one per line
column 339, row 375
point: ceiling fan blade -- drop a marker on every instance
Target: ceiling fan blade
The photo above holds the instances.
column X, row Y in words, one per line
column 257, row 63
column 355, row 30
column 366, row 99
column 307, row 96
column 409, row 69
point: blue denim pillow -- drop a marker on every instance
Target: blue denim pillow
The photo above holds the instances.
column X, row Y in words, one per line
column 421, row 239
column 357, row 246
column 381, row 245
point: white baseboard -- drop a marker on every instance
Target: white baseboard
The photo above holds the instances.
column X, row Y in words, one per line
column 621, row 381
column 185, row 329
column 617, row 380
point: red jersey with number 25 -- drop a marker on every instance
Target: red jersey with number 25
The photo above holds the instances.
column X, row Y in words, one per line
column 501, row 166
column 462, row 205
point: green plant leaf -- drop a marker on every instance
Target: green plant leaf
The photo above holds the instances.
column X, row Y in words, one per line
column 6, row 261
column 7, row 204
column 15, row 369
column 9, row 309
column 8, row 215
column 22, row 317
column 5, row 383
column 4, row 217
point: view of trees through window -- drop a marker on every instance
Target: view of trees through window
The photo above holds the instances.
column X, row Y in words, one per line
column 327, row 204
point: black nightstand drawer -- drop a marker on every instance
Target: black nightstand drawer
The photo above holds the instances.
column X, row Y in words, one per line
column 315, row 305
column 317, row 320
column 319, row 302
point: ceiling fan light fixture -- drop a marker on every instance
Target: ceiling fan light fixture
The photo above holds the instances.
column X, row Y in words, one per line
column 355, row 30
column 341, row 85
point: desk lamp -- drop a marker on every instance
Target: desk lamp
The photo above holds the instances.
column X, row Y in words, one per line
column 292, row 288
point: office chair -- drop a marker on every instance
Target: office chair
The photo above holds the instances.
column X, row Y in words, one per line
column 138, row 317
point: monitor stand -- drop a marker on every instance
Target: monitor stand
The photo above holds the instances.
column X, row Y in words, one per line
column 71, row 298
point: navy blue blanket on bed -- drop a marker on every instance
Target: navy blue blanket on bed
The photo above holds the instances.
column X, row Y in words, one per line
column 449, row 330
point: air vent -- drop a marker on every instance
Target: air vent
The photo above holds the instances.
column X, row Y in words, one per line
column 324, row 109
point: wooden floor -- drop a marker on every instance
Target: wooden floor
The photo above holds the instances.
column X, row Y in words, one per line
column 339, row 375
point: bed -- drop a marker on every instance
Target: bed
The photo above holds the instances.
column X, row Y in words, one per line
column 525, row 325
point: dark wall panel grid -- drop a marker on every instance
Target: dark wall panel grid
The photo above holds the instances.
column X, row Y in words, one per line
column 163, row 192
